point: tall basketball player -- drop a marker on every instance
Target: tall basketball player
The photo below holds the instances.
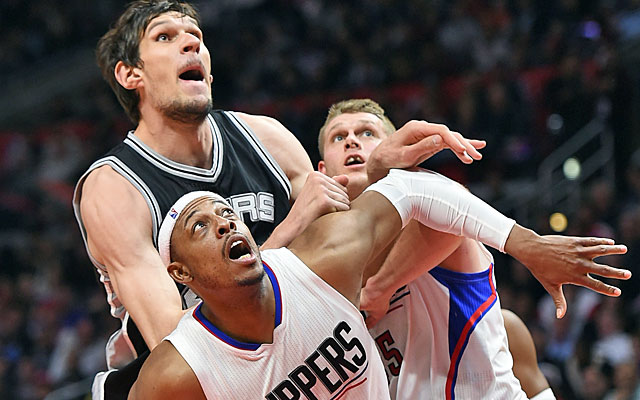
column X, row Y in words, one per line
column 157, row 64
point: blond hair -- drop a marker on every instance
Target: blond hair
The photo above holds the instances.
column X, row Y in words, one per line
column 352, row 106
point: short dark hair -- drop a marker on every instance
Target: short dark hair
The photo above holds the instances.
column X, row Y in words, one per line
column 122, row 43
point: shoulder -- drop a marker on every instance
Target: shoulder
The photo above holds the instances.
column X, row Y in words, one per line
column 166, row 375
column 106, row 202
column 285, row 148
column 269, row 130
column 104, row 187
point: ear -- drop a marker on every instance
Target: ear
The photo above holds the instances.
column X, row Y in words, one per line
column 179, row 272
column 127, row 76
column 321, row 167
column 210, row 78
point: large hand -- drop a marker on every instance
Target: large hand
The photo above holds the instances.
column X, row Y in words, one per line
column 375, row 303
column 319, row 195
column 557, row 260
column 415, row 142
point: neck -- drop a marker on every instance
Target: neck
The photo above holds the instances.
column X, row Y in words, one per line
column 246, row 314
column 185, row 143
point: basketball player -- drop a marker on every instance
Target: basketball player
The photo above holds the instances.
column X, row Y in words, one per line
column 283, row 323
column 156, row 62
column 436, row 339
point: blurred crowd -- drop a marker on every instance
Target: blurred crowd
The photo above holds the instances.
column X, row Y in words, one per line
column 525, row 75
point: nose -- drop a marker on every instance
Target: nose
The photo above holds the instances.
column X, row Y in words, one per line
column 351, row 142
column 224, row 226
column 191, row 44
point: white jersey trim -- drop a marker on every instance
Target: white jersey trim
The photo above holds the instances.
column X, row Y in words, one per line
column 178, row 169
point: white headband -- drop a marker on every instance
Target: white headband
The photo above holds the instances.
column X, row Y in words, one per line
column 166, row 229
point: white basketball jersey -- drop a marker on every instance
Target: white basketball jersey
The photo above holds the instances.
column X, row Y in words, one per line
column 321, row 348
column 444, row 338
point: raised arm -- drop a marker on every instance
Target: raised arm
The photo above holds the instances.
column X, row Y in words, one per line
column 415, row 142
column 312, row 193
column 120, row 238
column 338, row 246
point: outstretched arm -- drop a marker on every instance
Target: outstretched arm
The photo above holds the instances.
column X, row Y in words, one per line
column 444, row 205
column 557, row 260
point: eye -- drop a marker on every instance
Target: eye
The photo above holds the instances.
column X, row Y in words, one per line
column 227, row 212
column 338, row 138
column 197, row 226
column 163, row 37
column 367, row 133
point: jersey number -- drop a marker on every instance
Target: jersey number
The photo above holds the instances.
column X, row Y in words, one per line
column 390, row 354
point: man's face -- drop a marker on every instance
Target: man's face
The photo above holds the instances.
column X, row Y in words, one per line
column 216, row 246
column 349, row 140
column 176, row 68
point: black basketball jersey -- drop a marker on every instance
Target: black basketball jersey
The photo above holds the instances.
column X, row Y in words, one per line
column 242, row 171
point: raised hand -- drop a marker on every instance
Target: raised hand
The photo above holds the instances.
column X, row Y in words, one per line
column 557, row 260
column 319, row 195
column 415, row 142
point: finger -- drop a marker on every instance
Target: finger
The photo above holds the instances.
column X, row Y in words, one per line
column 471, row 151
column 558, row 299
column 478, row 144
column 594, row 241
column 607, row 271
column 598, row 286
column 340, row 204
column 424, row 149
column 342, row 180
column 453, row 141
column 371, row 321
column 605, row 250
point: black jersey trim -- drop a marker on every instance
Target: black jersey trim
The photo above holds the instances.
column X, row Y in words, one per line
column 178, row 169
column 139, row 184
column 264, row 154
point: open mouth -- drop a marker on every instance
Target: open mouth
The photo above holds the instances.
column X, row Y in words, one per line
column 354, row 160
column 239, row 250
column 193, row 73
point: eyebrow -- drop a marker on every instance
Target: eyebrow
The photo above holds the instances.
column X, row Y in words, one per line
column 157, row 23
column 362, row 121
column 195, row 210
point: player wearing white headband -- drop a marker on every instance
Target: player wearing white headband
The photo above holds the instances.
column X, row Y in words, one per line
column 284, row 323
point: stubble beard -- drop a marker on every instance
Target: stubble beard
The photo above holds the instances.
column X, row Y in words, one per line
column 189, row 112
column 246, row 282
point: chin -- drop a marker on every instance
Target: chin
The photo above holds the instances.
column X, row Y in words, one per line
column 252, row 280
column 188, row 111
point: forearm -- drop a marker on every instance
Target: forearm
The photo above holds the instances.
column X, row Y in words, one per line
column 292, row 226
column 444, row 205
column 522, row 243
column 153, row 303
column 417, row 250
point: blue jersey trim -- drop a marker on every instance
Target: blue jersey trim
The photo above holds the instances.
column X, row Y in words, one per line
column 197, row 313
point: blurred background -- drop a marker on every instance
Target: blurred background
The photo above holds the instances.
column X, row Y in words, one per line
column 554, row 88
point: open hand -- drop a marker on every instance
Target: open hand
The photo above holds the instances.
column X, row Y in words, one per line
column 415, row 142
column 557, row 260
